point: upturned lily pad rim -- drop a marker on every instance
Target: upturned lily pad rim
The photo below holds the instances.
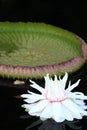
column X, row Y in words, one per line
column 25, row 72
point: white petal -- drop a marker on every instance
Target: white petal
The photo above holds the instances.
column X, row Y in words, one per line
column 69, row 84
column 77, row 95
column 55, row 79
column 33, row 99
column 47, row 82
column 84, row 107
column 47, row 112
column 34, row 95
column 64, row 79
column 38, row 107
column 67, row 114
column 47, row 79
column 26, row 106
column 36, row 86
column 73, row 108
column 70, row 88
column 79, row 102
column 57, row 112
column 25, row 95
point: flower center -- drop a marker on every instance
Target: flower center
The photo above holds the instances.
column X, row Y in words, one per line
column 56, row 99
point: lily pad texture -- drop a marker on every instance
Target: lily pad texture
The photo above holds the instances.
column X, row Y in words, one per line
column 31, row 50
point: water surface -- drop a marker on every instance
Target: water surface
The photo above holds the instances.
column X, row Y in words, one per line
column 13, row 116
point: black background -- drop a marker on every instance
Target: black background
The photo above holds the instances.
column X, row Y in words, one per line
column 68, row 14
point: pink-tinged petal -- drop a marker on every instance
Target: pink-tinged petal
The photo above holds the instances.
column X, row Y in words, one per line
column 47, row 112
column 70, row 88
column 73, row 108
column 36, row 86
column 57, row 112
column 38, row 107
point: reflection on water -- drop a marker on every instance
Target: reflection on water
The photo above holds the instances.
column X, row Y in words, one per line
column 52, row 125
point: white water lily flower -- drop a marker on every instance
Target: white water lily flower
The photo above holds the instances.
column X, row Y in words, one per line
column 55, row 101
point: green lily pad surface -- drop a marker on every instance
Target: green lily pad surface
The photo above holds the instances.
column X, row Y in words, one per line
column 31, row 50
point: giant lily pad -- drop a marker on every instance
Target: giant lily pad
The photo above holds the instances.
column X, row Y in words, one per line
column 31, row 50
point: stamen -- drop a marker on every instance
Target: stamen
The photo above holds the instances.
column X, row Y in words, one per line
column 58, row 99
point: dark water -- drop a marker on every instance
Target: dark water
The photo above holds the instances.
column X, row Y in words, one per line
column 13, row 116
